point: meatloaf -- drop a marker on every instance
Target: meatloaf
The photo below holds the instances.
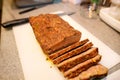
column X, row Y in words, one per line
column 75, row 71
column 71, row 62
column 52, row 32
column 62, row 44
column 72, row 53
column 94, row 71
column 67, row 49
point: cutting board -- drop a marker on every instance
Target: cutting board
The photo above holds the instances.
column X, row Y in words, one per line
column 114, row 76
column 33, row 61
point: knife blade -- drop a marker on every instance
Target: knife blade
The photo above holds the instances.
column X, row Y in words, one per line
column 25, row 20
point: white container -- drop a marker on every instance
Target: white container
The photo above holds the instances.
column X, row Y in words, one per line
column 110, row 20
column 115, row 12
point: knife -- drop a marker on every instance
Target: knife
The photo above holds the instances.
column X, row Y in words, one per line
column 25, row 20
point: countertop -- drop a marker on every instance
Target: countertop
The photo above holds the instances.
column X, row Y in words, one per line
column 10, row 65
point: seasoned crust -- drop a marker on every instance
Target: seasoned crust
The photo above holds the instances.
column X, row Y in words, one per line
column 52, row 32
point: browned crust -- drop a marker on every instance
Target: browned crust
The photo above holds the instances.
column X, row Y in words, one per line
column 64, row 50
column 94, row 71
column 69, row 63
column 52, row 32
column 72, row 53
column 75, row 71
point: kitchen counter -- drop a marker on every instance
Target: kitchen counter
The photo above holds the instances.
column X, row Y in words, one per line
column 10, row 65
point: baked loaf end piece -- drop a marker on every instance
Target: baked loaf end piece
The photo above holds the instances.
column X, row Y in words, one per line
column 96, row 71
column 52, row 32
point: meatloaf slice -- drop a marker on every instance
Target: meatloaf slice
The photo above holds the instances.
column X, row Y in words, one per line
column 96, row 71
column 67, row 49
column 75, row 71
column 71, row 62
column 53, row 33
column 74, row 52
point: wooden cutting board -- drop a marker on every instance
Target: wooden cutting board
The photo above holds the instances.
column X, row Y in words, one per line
column 33, row 61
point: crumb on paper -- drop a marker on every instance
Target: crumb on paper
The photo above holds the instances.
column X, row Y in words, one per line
column 50, row 66
column 47, row 59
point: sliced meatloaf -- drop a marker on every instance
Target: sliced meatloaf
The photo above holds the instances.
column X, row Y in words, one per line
column 67, row 49
column 96, row 71
column 72, row 53
column 75, row 71
column 53, row 33
column 71, row 62
column 76, row 59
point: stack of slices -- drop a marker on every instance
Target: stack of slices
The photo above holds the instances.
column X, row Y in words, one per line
column 79, row 61
column 76, row 59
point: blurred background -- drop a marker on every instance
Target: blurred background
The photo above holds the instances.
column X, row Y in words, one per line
column 0, row 9
column 0, row 16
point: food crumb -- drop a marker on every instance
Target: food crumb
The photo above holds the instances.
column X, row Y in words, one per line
column 50, row 66
column 46, row 59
